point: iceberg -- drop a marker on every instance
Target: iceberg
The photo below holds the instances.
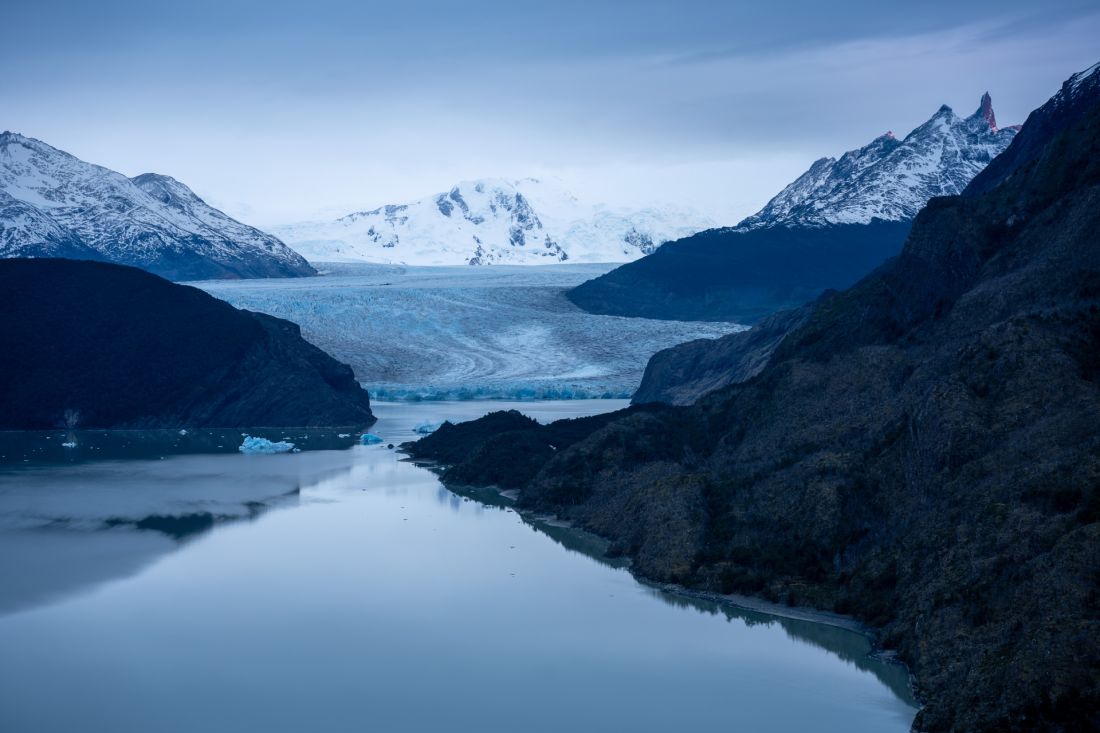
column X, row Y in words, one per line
column 426, row 428
column 263, row 445
column 370, row 439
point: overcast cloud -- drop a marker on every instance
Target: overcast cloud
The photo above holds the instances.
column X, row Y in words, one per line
column 279, row 112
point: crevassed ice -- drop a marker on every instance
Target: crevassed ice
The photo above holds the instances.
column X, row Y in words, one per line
column 468, row 333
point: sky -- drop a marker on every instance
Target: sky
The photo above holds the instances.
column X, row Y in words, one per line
column 279, row 112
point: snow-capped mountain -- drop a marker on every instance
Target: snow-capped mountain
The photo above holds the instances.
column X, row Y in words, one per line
column 493, row 221
column 890, row 179
column 53, row 204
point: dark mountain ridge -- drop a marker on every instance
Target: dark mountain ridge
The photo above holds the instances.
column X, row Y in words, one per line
column 681, row 374
column 123, row 348
column 741, row 276
column 922, row 453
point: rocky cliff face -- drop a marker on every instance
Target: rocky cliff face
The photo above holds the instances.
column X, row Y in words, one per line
column 53, row 204
column 684, row 373
column 124, row 348
column 922, row 453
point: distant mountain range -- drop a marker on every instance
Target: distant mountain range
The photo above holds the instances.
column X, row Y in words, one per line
column 493, row 221
column 53, row 204
column 827, row 229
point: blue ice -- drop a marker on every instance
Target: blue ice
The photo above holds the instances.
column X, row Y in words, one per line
column 263, row 445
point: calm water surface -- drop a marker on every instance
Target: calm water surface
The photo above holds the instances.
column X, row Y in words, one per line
column 347, row 590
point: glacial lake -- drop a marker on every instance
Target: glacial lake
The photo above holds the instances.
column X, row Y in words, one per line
column 345, row 589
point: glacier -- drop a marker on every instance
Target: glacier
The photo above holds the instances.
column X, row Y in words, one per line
column 462, row 333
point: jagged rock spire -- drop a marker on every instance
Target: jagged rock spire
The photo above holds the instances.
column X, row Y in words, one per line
column 985, row 109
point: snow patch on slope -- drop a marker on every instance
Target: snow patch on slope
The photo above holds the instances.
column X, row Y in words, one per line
column 1077, row 80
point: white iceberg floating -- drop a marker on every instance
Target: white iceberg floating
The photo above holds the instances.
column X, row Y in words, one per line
column 426, row 428
column 370, row 439
column 263, row 445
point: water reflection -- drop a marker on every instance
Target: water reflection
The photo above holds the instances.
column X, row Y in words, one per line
column 65, row 529
column 336, row 590
column 854, row 648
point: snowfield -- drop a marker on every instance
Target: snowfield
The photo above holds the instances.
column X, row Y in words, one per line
column 467, row 332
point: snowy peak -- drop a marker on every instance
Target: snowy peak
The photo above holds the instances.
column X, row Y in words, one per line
column 890, row 179
column 165, row 189
column 476, row 222
column 55, row 204
column 7, row 137
column 492, row 221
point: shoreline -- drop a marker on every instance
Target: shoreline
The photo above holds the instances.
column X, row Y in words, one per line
column 739, row 601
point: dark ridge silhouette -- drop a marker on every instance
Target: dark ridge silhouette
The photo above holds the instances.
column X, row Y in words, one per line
column 742, row 276
column 96, row 345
